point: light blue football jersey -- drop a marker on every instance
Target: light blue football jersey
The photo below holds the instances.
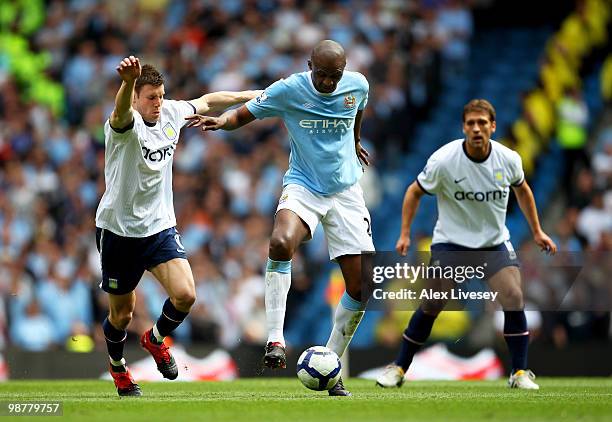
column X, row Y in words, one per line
column 323, row 157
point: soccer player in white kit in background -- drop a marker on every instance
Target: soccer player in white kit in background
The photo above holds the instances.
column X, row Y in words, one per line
column 471, row 178
column 135, row 221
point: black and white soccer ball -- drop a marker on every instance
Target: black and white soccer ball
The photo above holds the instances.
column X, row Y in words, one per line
column 319, row 368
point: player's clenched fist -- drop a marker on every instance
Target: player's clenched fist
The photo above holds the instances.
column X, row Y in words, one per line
column 545, row 243
column 129, row 68
column 402, row 245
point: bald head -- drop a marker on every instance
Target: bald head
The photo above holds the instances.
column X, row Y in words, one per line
column 327, row 63
column 328, row 50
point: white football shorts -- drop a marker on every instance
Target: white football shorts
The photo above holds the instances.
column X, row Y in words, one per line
column 344, row 216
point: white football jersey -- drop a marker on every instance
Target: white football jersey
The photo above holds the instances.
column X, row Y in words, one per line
column 472, row 195
column 138, row 198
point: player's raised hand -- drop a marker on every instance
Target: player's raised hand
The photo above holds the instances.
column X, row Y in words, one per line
column 362, row 153
column 206, row 122
column 545, row 243
column 402, row 245
column 129, row 69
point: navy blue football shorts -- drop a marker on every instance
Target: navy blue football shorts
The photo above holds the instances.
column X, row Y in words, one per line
column 484, row 262
column 125, row 259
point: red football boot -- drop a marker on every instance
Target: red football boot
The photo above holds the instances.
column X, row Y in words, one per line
column 124, row 382
column 160, row 352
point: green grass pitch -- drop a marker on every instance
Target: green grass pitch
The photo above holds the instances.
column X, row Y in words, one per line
column 284, row 400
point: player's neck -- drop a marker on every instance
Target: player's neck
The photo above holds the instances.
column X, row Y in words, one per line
column 475, row 153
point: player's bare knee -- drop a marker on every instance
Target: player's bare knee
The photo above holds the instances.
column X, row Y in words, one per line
column 120, row 320
column 184, row 300
column 281, row 247
column 513, row 300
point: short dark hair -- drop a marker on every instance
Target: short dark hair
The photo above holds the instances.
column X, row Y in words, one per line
column 149, row 76
column 479, row 105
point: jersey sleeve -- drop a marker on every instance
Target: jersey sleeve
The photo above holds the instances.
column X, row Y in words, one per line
column 366, row 90
column 119, row 132
column 429, row 180
column 120, row 135
column 517, row 175
column 271, row 102
column 180, row 110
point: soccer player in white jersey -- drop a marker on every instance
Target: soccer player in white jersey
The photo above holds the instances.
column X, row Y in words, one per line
column 322, row 110
column 472, row 178
column 135, row 219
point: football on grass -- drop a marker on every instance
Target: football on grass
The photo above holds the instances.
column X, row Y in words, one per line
column 318, row 368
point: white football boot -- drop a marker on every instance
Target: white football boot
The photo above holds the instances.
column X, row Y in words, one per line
column 392, row 377
column 523, row 379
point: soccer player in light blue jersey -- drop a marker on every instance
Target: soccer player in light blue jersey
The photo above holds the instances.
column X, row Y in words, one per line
column 322, row 110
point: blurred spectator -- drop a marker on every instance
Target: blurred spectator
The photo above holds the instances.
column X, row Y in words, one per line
column 581, row 189
column 573, row 118
column 454, row 27
column 606, row 80
column 602, row 159
column 66, row 299
column 594, row 220
column 31, row 329
column 564, row 237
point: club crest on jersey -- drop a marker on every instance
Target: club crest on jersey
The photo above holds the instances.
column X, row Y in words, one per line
column 169, row 131
column 262, row 97
column 350, row 101
column 498, row 176
column 283, row 198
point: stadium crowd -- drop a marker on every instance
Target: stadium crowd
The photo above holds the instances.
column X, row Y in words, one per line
column 576, row 61
column 57, row 87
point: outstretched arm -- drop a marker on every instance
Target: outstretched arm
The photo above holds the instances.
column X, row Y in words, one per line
column 526, row 201
column 219, row 101
column 129, row 69
column 412, row 198
column 362, row 153
column 230, row 120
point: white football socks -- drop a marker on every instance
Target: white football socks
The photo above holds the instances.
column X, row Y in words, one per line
column 347, row 317
column 117, row 362
column 278, row 281
column 158, row 337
